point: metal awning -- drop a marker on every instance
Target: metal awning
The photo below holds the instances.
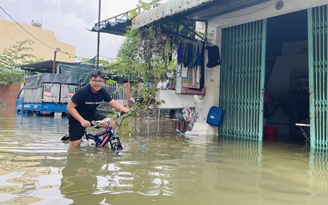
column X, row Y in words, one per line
column 115, row 25
column 169, row 9
column 196, row 10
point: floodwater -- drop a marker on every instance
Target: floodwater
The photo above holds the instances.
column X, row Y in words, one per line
column 37, row 168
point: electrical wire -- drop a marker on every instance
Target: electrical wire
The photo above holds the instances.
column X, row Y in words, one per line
column 35, row 36
column 109, row 58
column 26, row 30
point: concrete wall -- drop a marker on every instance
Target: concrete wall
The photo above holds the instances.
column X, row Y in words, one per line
column 11, row 33
column 261, row 11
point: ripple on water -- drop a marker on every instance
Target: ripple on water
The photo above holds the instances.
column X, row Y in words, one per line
column 155, row 168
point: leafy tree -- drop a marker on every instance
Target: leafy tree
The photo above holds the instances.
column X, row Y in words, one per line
column 17, row 54
column 143, row 57
column 10, row 60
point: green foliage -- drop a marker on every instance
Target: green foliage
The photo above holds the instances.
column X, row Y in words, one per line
column 10, row 60
column 11, row 76
column 17, row 54
column 141, row 60
column 143, row 6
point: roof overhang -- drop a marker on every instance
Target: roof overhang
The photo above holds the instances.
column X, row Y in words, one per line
column 169, row 9
column 116, row 25
column 44, row 66
column 195, row 10
column 80, row 70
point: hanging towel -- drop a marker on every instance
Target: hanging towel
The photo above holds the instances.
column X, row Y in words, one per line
column 186, row 56
column 213, row 56
column 198, row 64
column 194, row 76
column 197, row 61
column 190, row 56
column 198, row 74
column 180, row 53
column 194, row 57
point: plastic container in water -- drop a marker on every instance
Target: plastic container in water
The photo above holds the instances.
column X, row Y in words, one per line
column 270, row 133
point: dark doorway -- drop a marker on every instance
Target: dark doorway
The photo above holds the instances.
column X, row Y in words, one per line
column 286, row 81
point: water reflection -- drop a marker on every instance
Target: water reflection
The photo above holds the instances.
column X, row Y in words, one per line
column 80, row 177
column 26, row 179
column 7, row 112
column 33, row 134
column 37, row 168
column 318, row 173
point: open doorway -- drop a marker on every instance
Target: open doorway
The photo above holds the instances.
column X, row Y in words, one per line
column 286, row 82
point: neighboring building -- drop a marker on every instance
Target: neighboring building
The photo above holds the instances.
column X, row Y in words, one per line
column 274, row 46
column 10, row 33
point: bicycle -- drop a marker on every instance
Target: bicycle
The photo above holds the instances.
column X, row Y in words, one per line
column 109, row 136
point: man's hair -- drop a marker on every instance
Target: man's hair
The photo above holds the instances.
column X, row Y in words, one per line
column 96, row 73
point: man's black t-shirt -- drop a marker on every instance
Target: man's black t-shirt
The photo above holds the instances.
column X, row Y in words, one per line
column 87, row 101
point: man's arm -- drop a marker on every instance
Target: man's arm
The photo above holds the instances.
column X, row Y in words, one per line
column 71, row 108
column 118, row 106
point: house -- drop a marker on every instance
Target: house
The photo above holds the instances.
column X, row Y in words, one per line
column 273, row 70
column 10, row 36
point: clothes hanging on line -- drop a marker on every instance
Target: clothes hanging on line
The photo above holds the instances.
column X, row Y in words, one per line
column 213, row 56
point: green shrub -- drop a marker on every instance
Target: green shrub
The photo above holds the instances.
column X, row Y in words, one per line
column 11, row 76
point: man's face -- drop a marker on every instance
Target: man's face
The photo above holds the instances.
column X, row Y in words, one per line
column 96, row 83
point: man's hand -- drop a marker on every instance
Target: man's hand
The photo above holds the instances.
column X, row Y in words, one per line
column 125, row 110
column 85, row 123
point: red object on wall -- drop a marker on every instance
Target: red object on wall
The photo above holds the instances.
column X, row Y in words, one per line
column 127, row 90
column 270, row 133
column 267, row 98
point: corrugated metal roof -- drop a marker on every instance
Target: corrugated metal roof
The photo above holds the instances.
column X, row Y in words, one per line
column 200, row 10
column 170, row 8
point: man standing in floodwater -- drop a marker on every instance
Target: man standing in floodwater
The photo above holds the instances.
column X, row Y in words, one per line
column 82, row 108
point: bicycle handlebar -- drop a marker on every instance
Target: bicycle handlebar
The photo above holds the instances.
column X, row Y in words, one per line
column 97, row 123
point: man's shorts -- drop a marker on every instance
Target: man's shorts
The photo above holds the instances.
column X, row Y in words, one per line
column 76, row 130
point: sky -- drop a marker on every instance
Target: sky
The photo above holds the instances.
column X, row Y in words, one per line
column 70, row 20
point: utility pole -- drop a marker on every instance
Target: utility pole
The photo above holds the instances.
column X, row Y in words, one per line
column 54, row 62
column 98, row 40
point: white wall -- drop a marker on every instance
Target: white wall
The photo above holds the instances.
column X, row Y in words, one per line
column 263, row 11
column 173, row 100
column 280, row 78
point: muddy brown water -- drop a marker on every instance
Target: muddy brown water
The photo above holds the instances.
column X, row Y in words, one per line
column 155, row 168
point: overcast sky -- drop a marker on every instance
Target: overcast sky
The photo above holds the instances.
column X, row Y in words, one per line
column 70, row 19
